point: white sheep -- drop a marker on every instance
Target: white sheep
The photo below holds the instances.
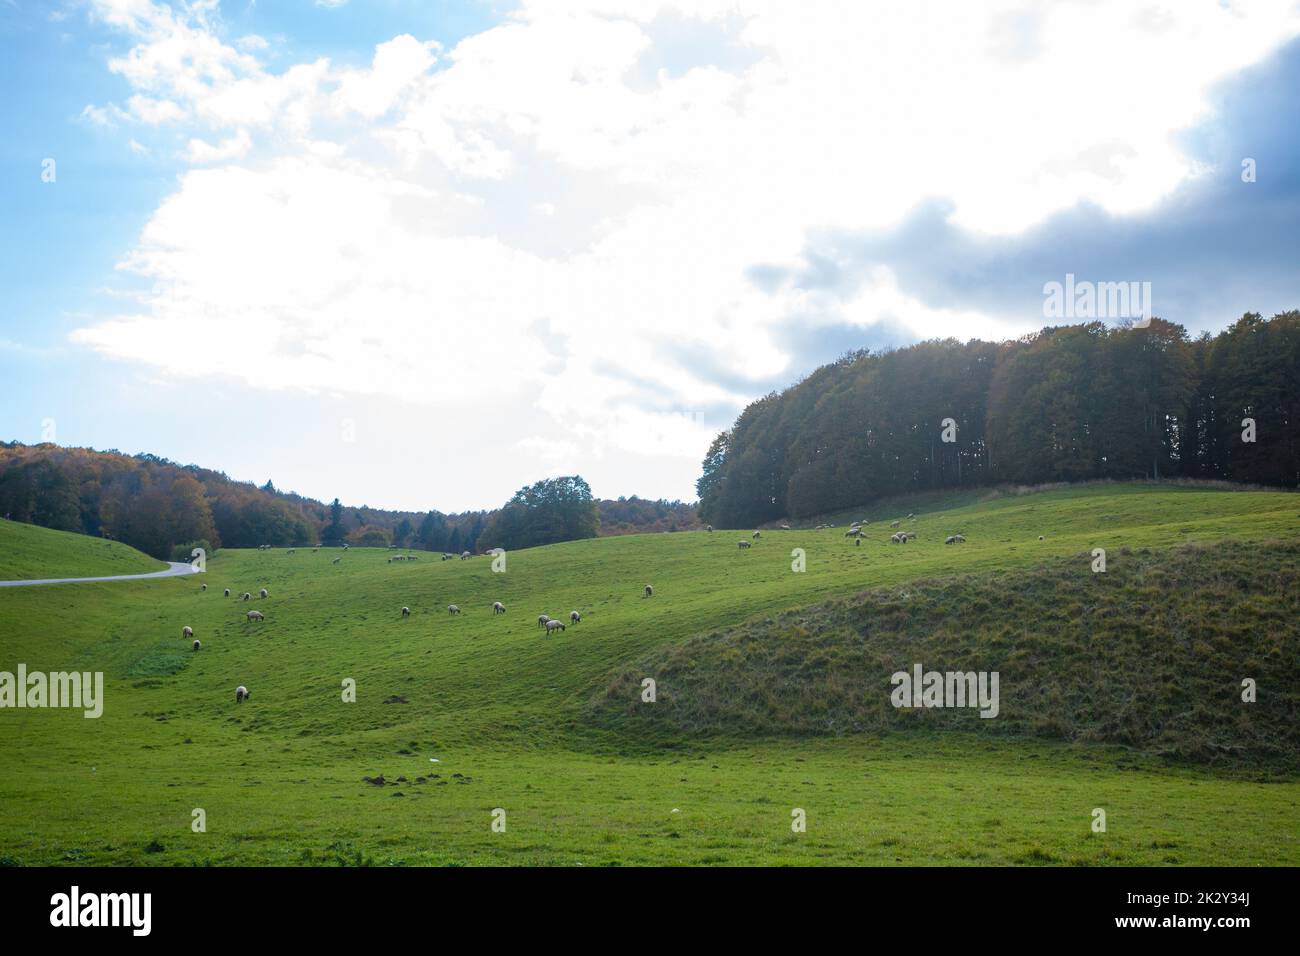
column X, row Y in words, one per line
column 241, row 694
column 262, row 592
column 954, row 539
column 256, row 616
column 785, row 527
column 187, row 631
column 227, row 592
column 542, row 619
column 893, row 524
column 452, row 609
column 553, row 626
column 1040, row 538
column 744, row 544
column 197, row 645
column 498, row 607
column 758, row 534
column 336, row 561
column 406, row 612
column 247, row 596
column 465, row 555
column 649, row 591
column 203, row 587
column 574, row 617
column 709, row 528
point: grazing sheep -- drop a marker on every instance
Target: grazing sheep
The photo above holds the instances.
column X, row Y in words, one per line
column 406, row 612
column 857, row 542
column 909, row 535
column 896, row 538
column 262, row 592
column 574, row 617
column 465, row 555
column 744, row 544
column 197, row 645
column 649, row 591
column 498, row 607
column 452, row 609
column 203, row 587
column 1040, row 537
column 247, row 596
column 314, row 550
column 709, row 528
column 852, row 532
column 910, row 517
column 187, row 631
column 893, row 524
column 256, row 616
column 227, row 592
column 553, row 626
column 291, row 551
column 336, row 561
column 758, row 534
column 542, row 619
column 954, row 539
column 448, row 557
column 241, row 694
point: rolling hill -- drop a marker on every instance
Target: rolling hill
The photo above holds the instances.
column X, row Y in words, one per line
column 30, row 552
column 458, row 716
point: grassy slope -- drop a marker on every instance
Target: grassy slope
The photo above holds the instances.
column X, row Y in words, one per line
column 1149, row 655
column 506, row 709
column 29, row 552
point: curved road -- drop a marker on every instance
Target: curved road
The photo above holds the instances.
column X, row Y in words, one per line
column 176, row 569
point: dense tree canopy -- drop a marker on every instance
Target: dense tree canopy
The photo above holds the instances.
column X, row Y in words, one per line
column 556, row 509
column 1069, row 403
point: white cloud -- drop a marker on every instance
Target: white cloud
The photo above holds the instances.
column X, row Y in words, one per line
column 551, row 214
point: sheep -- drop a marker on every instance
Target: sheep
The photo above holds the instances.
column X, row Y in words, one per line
column 852, row 532
column 336, row 561
column 406, row 612
column 447, row 557
column 465, row 555
column 758, row 534
column 241, row 694
column 649, row 591
column 227, row 592
column 785, row 527
column 197, row 645
column 893, row 524
column 203, row 587
column 574, row 617
column 498, row 607
column 187, row 631
column 1040, row 537
column 262, row 592
column 314, row 550
column 910, row 516
column 256, row 616
column 909, row 535
column 452, row 609
column 291, row 551
column 744, row 544
column 954, row 539
column 709, row 528
column 553, row 626
column 542, row 619
column 247, row 596
column 897, row 538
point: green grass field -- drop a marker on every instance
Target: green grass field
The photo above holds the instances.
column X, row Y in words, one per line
column 28, row 552
column 552, row 731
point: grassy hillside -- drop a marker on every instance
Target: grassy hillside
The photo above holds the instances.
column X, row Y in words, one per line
column 1150, row 654
column 505, row 712
column 30, row 552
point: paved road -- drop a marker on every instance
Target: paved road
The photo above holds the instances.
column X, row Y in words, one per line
column 176, row 569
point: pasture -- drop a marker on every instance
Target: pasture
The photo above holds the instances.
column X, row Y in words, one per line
column 461, row 715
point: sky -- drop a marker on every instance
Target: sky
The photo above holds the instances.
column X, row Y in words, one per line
column 416, row 255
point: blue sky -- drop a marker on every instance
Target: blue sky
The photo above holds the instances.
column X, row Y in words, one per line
column 419, row 254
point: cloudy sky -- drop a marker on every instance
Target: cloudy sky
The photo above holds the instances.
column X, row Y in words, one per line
column 417, row 254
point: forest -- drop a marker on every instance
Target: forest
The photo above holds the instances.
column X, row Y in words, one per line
column 165, row 509
column 1069, row 403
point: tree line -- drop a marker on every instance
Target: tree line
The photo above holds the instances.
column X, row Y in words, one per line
column 164, row 509
column 1068, row 403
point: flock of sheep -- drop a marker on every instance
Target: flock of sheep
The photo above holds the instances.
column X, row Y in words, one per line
column 550, row 624
column 544, row 620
